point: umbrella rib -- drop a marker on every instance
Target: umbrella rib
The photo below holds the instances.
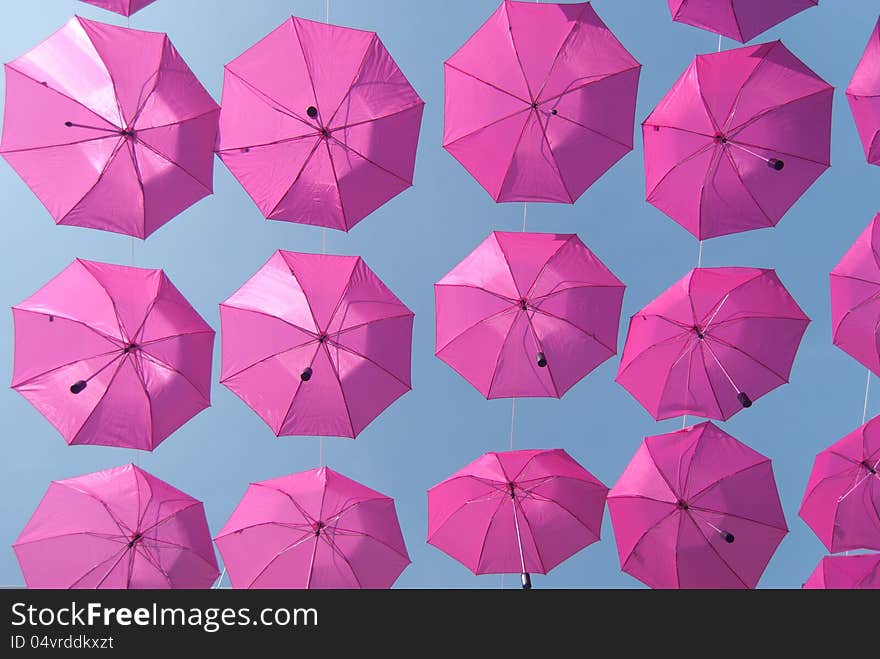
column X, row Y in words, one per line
column 344, row 330
column 737, row 472
column 705, row 104
column 446, row 145
column 742, row 517
column 540, row 349
column 100, row 536
column 593, row 130
column 364, row 534
column 648, row 122
column 544, row 265
column 781, row 106
column 166, row 365
column 693, row 155
column 556, row 290
column 116, row 149
column 743, row 352
column 355, row 124
column 121, row 553
column 139, row 375
column 647, row 531
column 483, row 290
column 488, row 84
column 309, row 519
column 63, row 95
column 309, row 75
column 739, row 319
column 132, row 152
column 778, row 152
column 121, row 326
column 141, row 549
column 580, row 329
column 171, row 337
column 752, row 73
column 336, row 187
column 172, row 162
column 357, row 74
column 119, row 524
column 485, row 532
column 100, row 400
column 565, row 509
column 586, row 81
column 562, row 47
column 673, row 490
column 57, row 146
column 262, row 360
column 269, row 101
column 296, row 392
column 283, row 140
column 142, row 100
column 474, row 326
column 739, row 177
column 516, row 52
column 278, row 555
column 61, row 366
column 507, row 169
column 341, row 392
column 709, row 378
column 718, row 554
column 279, row 318
column 498, row 358
column 178, row 122
column 654, row 346
column 363, row 157
column 341, row 555
column 296, row 178
column 345, row 348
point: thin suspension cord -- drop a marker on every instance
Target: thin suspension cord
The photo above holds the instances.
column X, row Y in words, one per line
column 220, row 580
column 719, row 41
column 867, row 390
column 700, row 256
column 323, row 251
column 525, row 210
column 522, row 560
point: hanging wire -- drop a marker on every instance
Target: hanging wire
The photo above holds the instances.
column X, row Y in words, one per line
column 220, row 580
column 700, row 256
column 525, row 210
column 867, row 390
column 719, row 39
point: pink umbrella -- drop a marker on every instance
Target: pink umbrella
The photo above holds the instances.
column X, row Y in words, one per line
column 540, row 102
column 117, row 528
column 856, row 572
column 527, row 314
column 742, row 20
column 112, row 355
column 737, row 140
column 855, row 299
column 109, row 128
column 711, row 344
column 696, row 508
column 124, row 7
column 516, row 512
column 316, row 345
column 842, row 500
column 863, row 94
column 319, row 125
column 314, row 529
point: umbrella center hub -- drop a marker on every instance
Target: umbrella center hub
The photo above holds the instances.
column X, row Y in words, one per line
column 523, row 304
column 683, row 505
column 699, row 332
column 131, row 347
column 136, row 538
column 319, row 526
column 534, row 105
column 721, row 138
column 867, row 465
column 322, row 337
column 127, row 133
column 511, row 489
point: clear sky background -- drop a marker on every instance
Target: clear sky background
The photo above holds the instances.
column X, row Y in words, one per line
column 411, row 242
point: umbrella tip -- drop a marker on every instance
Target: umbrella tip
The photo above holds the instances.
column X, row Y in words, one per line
column 542, row 360
column 78, row 386
column 775, row 163
column 312, row 111
column 68, row 123
column 744, row 399
column 306, row 375
column 728, row 537
column 526, row 581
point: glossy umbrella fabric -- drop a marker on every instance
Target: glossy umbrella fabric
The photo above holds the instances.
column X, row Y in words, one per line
column 314, row 529
column 696, row 508
column 737, row 140
column 109, row 128
column 742, row 20
column 516, row 512
column 527, row 314
column 540, row 102
column 711, row 344
column 855, row 299
column 112, row 355
column 316, row 344
column 319, row 125
column 863, row 94
column 856, row 572
column 842, row 500
column 124, row 7
column 117, row 528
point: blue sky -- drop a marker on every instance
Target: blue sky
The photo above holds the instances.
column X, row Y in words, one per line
column 411, row 242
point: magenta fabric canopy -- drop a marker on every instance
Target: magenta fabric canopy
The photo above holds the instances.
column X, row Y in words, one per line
column 516, row 512
column 124, row 7
column 527, row 314
column 737, row 140
column 319, row 125
column 112, row 355
column 314, row 529
column 863, row 94
column 742, row 20
column 540, row 102
column 316, row 344
column 696, row 508
column 856, row 572
column 109, row 128
column 855, row 299
column 712, row 343
column 842, row 500
column 117, row 528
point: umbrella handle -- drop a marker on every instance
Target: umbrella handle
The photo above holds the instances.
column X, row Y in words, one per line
column 526, row 581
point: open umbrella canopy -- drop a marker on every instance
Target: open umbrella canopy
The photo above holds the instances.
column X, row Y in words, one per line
column 863, row 94
column 540, row 101
column 742, row 20
column 855, row 299
column 527, row 314
column 712, row 343
column 737, row 140
column 314, row 529
column 109, row 128
column 842, row 500
column 319, row 125
column 316, row 344
column 124, row 7
column 112, row 355
column 117, row 528
column 516, row 512
column 696, row 508
column 856, row 572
